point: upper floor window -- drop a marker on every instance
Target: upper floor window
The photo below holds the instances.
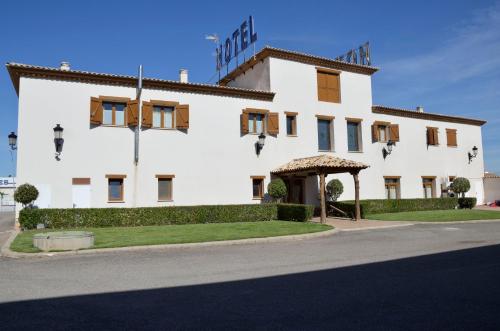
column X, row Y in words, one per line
column 432, row 136
column 258, row 121
column 328, row 85
column 163, row 117
column 114, row 113
column 451, row 137
column 291, row 124
column 255, row 123
column 325, row 128
column 354, row 135
column 385, row 131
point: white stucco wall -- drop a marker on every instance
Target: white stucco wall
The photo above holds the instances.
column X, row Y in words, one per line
column 491, row 189
column 213, row 162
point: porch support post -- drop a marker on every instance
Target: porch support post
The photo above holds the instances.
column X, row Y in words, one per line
column 356, row 196
column 322, row 196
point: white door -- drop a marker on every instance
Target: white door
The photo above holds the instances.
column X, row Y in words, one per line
column 81, row 196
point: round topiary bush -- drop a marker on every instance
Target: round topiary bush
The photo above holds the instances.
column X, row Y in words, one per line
column 334, row 189
column 25, row 194
column 277, row 189
column 460, row 185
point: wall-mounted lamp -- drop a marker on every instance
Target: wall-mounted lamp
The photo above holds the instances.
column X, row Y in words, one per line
column 388, row 148
column 13, row 141
column 259, row 145
column 473, row 154
column 58, row 140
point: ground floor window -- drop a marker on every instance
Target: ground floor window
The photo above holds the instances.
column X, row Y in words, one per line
column 354, row 135
column 392, row 187
column 258, row 187
column 165, row 187
column 115, row 187
column 291, row 124
column 325, row 128
column 428, row 184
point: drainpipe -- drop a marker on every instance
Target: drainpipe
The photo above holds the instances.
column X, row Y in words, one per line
column 137, row 131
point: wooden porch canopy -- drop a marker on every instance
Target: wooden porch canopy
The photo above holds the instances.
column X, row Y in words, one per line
column 323, row 165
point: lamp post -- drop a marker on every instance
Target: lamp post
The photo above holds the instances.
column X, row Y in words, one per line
column 58, row 140
column 473, row 154
column 13, row 141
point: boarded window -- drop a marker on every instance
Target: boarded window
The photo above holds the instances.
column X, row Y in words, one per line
column 328, row 86
column 451, row 137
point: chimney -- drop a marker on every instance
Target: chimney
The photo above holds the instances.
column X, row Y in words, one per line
column 65, row 66
column 183, row 75
column 420, row 109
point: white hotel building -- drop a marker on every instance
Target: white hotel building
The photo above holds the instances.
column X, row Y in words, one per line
column 197, row 142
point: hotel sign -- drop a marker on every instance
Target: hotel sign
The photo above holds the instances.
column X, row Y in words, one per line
column 7, row 182
column 361, row 55
column 240, row 39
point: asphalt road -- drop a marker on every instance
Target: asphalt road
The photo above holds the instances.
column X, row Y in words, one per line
column 423, row 277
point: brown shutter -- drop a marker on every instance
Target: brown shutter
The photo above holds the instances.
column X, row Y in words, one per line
column 147, row 114
column 375, row 136
column 394, row 132
column 436, row 137
column 244, row 122
column 430, row 137
column 132, row 112
column 322, row 86
column 333, row 85
column 451, row 137
column 95, row 111
column 273, row 123
column 182, row 116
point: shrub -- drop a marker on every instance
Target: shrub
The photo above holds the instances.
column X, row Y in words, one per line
column 467, row 203
column 117, row 217
column 25, row 194
column 381, row 206
column 334, row 189
column 295, row 212
column 460, row 185
column 277, row 189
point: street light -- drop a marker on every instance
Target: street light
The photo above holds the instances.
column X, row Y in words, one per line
column 261, row 142
column 58, row 140
column 13, row 141
column 473, row 154
column 387, row 150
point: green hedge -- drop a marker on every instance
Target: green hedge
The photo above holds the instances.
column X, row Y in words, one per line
column 295, row 212
column 346, row 206
column 107, row 217
column 381, row 206
column 467, row 203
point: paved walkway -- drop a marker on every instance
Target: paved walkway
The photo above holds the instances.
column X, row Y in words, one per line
column 347, row 224
column 6, row 226
column 487, row 208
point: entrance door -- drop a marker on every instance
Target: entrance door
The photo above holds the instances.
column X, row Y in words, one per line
column 81, row 192
column 295, row 188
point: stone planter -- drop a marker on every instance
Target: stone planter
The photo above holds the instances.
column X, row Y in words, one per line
column 63, row 241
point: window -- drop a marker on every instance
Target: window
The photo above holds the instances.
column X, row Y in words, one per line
column 163, row 117
column 255, row 123
column 115, row 187
column 165, row 187
column 392, row 187
column 451, row 137
column 325, row 133
column 328, row 86
column 291, row 124
column 428, row 186
column 354, row 135
column 382, row 133
column 258, row 187
column 432, row 136
column 114, row 113
column 385, row 131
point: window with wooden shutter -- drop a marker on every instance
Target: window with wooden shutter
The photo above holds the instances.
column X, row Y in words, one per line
column 432, row 136
column 132, row 112
column 394, row 132
column 147, row 114
column 451, row 137
column 244, row 122
column 328, row 86
column 253, row 120
column 95, row 111
column 273, row 123
column 182, row 116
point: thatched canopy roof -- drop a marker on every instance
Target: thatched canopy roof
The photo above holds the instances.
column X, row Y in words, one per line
column 320, row 164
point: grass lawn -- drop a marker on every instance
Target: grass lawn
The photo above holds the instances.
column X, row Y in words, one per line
column 438, row 215
column 178, row 234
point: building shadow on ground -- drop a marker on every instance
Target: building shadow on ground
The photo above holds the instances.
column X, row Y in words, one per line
column 457, row 290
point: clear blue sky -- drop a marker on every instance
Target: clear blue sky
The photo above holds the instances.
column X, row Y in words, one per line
column 443, row 55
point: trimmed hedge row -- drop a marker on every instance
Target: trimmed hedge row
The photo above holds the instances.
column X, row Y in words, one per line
column 381, row 206
column 295, row 212
column 467, row 203
column 117, row 217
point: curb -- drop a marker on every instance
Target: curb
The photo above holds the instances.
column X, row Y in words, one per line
column 460, row 222
column 6, row 252
column 5, row 249
column 377, row 227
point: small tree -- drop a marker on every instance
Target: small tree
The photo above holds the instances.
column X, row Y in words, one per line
column 26, row 194
column 277, row 189
column 334, row 189
column 460, row 185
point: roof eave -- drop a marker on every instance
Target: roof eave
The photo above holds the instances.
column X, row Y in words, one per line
column 426, row 116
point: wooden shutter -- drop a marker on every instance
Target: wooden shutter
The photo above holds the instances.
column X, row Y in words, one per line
column 432, row 136
column 95, row 111
column 273, row 124
column 436, row 137
column 147, row 114
column 333, row 86
column 375, row 136
column 451, row 137
column 394, row 132
column 244, row 122
column 182, row 116
column 322, row 86
column 132, row 112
